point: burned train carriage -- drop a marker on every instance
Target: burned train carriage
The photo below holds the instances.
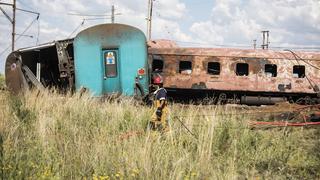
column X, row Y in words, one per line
column 104, row 59
column 241, row 76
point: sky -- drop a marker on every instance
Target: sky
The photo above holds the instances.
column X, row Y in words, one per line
column 197, row 23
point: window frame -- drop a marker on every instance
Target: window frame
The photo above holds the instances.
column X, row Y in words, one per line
column 213, row 73
column 243, row 63
column 274, row 74
column 299, row 66
column 186, row 61
column 108, row 66
column 160, row 60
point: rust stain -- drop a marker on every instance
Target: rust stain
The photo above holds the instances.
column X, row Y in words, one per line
column 257, row 80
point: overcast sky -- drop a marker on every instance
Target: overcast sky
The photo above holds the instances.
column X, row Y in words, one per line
column 206, row 23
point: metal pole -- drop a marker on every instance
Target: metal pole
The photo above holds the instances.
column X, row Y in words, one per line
column 150, row 4
column 267, row 40
column 263, row 39
column 13, row 23
column 112, row 14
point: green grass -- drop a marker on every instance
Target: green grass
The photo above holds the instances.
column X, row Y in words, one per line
column 2, row 82
column 51, row 136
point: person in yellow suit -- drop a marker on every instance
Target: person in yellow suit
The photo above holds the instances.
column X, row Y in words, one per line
column 159, row 117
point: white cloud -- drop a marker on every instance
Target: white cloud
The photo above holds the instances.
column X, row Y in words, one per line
column 55, row 23
column 290, row 22
column 171, row 9
column 237, row 21
column 168, row 29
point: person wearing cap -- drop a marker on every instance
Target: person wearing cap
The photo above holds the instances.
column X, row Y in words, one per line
column 159, row 117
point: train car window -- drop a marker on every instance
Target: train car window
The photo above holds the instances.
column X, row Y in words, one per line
column 270, row 70
column 213, row 68
column 242, row 69
column 110, row 59
column 185, row 67
column 299, row 71
column 157, row 65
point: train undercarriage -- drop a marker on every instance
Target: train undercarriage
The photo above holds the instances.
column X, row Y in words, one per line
column 200, row 96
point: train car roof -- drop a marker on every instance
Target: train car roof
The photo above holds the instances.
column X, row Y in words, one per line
column 44, row 45
column 163, row 47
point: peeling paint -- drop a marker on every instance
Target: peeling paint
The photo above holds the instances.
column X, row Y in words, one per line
column 257, row 80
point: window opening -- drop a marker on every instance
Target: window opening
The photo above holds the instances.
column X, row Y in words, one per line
column 213, row 68
column 270, row 70
column 242, row 69
column 185, row 67
column 299, row 71
column 157, row 65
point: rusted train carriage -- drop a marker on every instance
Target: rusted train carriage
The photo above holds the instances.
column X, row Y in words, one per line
column 237, row 75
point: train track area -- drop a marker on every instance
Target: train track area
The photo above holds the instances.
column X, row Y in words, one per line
column 256, row 117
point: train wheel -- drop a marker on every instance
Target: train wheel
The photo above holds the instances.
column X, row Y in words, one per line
column 222, row 99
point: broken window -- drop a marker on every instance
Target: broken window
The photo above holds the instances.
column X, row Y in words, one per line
column 213, row 68
column 157, row 65
column 270, row 70
column 299, row 71
column 242, row 69
column 185, row 67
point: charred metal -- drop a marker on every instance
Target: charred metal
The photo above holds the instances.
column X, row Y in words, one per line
column 265, row 76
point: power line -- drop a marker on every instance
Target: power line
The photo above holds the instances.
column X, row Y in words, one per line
column 221, row 45
column 20, row 35
column 76, row 29
column 90, row 19
column 298, row 47
column 13, row 21
column 27, row 28
column 246, row 46
column 24, row 4
column 309, row 80
column 93, row 15
column 81, row 24
column 296, row 55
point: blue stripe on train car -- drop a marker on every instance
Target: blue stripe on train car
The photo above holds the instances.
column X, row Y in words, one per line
column 108, row 57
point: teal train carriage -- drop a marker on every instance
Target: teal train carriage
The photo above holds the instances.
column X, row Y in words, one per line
column 111, row 58
column 106, row 59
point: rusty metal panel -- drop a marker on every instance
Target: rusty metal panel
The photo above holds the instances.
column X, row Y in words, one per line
column 229, row 52
column 256, row 81
column 162, row 43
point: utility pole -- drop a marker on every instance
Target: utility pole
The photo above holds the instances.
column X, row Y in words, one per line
column 13, row 23
column 112, row 14
column 13, row 20
column 254, row 44
column 265, row 44
column 149, row 19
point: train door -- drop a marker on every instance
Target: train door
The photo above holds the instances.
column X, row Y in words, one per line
column 111, row 82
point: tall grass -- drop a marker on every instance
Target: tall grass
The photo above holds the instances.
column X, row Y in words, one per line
column 2, row 82
column 51, row 136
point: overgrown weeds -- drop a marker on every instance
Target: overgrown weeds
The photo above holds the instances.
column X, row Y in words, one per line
column 2, row 82
column 48, row 135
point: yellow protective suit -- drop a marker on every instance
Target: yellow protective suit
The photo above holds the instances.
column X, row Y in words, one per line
column 160, row 123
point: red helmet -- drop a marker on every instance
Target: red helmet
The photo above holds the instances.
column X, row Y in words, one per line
column 157, row 79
